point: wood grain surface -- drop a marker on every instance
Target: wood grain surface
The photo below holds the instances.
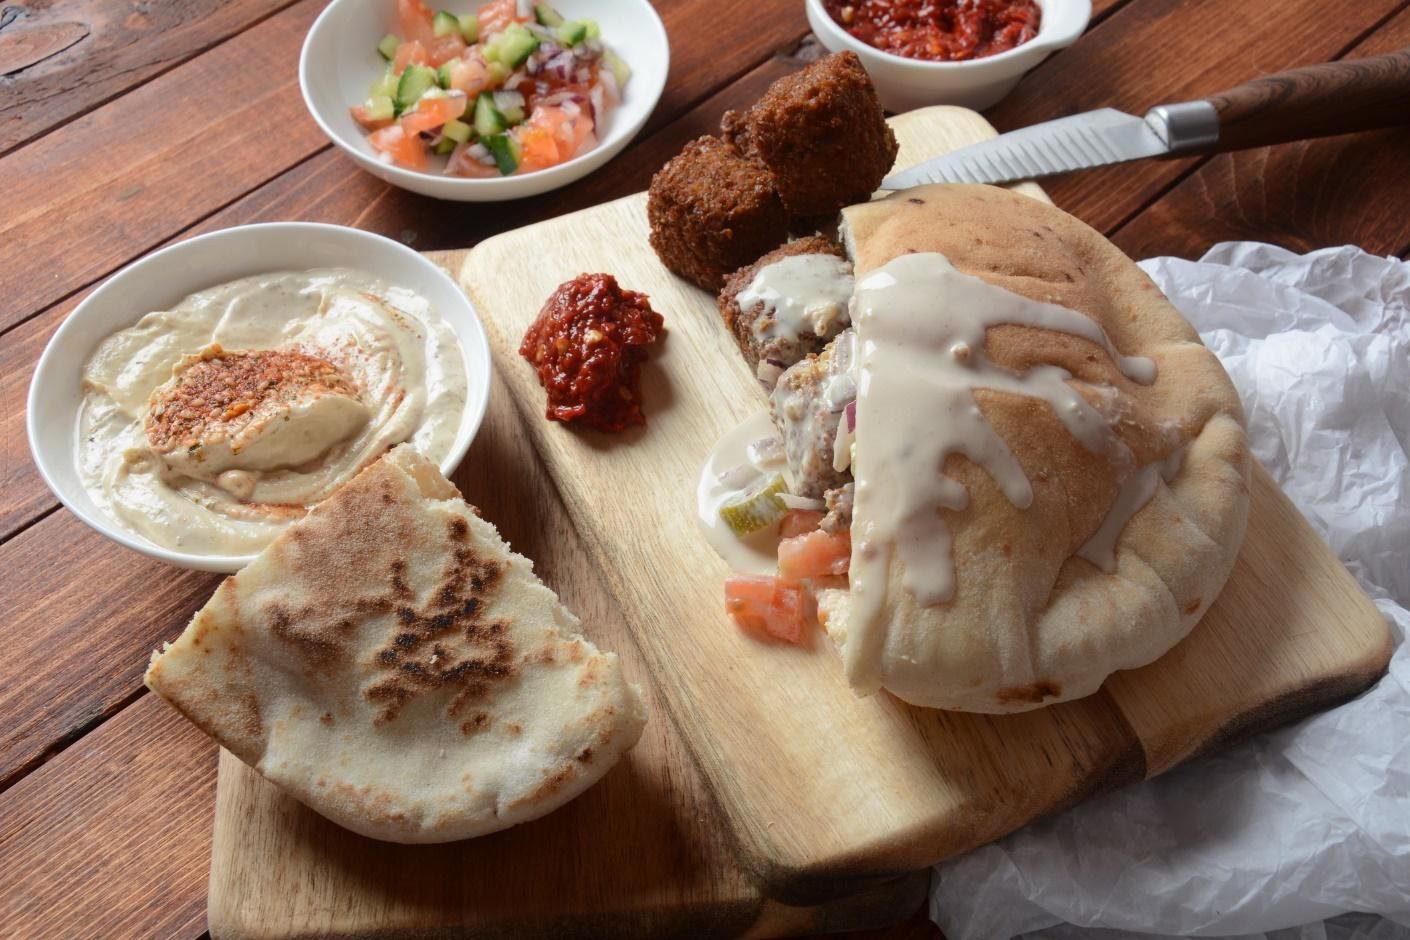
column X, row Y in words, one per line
column 1113, row 64
column 1303, row 195
column 1354, row 189
column 841, row 789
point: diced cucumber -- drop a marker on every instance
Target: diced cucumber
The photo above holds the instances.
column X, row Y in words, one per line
column 620, row 70
column 385, row 86
column 512, row 46
column 547, row 15
column 443, row 75
column 505, row 150
column 573, row 32
column 756, row 509
column 457, row 131
column 489, row 120
column 511, row 105
column 415, row 82
column 445, row 146
column 469, row 27
column 388, row 47
column 498, row 73
column 593, row 30
column 444, row 23
column 379, row 108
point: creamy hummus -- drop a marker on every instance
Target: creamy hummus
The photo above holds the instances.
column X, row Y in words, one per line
column 209, row 427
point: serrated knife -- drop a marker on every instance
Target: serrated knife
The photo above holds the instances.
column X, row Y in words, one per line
column 1315, row 101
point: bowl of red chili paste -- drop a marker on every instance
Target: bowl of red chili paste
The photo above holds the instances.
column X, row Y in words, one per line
column 964, row 52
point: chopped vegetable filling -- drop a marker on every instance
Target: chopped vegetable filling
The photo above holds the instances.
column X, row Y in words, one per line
column 496, row 92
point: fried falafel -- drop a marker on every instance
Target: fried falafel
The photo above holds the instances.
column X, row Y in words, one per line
column 712, row 211
column 792, row 310
column 822, row 134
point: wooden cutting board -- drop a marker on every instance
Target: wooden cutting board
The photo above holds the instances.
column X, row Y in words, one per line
column 804, row 792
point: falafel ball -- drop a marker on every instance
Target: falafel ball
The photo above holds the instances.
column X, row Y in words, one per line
column 822, row 134
column 778, row 323
column 712, row 211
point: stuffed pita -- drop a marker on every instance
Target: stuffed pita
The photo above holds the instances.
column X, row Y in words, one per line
column 393, row 665
column 1086, row 533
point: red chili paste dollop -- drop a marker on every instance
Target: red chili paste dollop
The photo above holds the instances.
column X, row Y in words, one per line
column 939, row 30
column 587, row 344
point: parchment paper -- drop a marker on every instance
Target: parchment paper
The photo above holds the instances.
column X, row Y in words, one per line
column 1300, row 825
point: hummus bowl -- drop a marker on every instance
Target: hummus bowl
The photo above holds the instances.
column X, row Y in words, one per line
column 165, row 278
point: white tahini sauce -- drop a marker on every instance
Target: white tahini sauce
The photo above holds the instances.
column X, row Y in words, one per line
column 1136, row 490
column 800, row 294
column 921, row 328
column 231, row 488
column 729, row 471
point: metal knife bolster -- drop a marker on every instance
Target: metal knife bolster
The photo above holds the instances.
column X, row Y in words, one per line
column 1186, row 126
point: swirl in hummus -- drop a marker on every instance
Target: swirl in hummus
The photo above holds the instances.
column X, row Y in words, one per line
column 209, row 427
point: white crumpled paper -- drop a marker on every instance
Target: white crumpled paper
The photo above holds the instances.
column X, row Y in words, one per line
column 1302, row 824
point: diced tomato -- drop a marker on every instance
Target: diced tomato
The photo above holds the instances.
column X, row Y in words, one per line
column 537, row 149
column 406, row 150
column 415, row 19
column 497, row 16
column 445, row 48
column 571, row 133
column 768, row 607
column 359, row 114
column 408, row 53
column 815, row 554
column 431, row 113
column 799, row 521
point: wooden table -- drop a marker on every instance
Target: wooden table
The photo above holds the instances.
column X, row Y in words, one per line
column 124, row 126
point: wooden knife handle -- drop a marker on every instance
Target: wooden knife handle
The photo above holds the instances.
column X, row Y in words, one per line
column 1316, row 101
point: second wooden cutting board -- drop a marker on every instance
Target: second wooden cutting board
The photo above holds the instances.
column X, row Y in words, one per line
column 825, row 790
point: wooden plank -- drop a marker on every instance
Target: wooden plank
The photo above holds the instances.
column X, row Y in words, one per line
column 85, row 53
column 78, row 618
column 935, row 783
column 23, row 495
column 713, row 42
column 122, row 179
column 112, row 837
column 642, row 853
column 1154, row 51
column 1306, row 195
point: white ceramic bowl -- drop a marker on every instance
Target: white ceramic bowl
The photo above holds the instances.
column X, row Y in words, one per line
column 905, row 84
column 339, row 63
column 163, row 278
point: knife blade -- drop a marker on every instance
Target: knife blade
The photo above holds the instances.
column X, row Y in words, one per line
column 1315, row 101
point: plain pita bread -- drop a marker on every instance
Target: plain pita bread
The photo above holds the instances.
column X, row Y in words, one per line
column 1030, row 623
column 392, row 664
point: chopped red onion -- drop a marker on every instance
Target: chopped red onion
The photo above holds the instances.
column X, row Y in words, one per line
column 851, row 411
column 738, row 477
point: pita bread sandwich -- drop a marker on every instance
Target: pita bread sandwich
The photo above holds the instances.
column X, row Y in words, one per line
column 393, row 665
column 1037, row 472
